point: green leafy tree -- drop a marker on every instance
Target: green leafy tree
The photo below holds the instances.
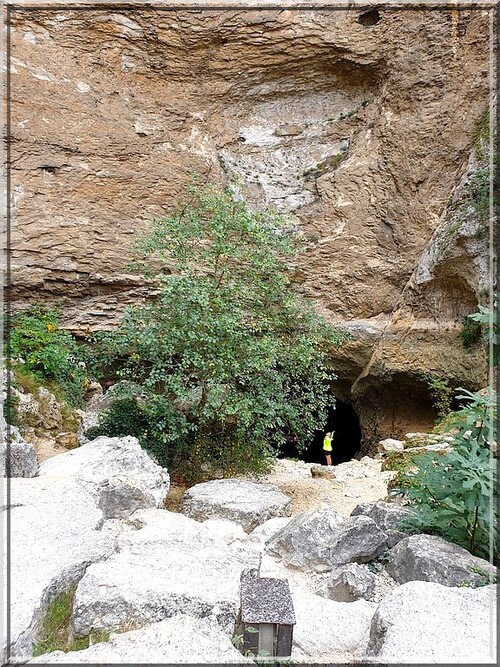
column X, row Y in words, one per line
column 454, row 493
column 229, row 361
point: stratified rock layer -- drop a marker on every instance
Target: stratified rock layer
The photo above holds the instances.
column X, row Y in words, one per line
column 362, row 132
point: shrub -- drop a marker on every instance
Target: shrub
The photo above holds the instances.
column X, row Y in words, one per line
column 49, row 355
column 441, row 394
column 471, row 331
column 454, row 494
column 230, row 363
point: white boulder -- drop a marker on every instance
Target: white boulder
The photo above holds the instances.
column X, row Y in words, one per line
column 390, row 445
column 431, row 558
column 99, row 461
column 178, row 640
column 171, row 564
column 54, row 537
column 423, row 622
column 329, row 632
column 244, row 502
column 322, row 539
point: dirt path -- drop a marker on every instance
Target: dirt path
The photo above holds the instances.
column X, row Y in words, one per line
column 355, row 482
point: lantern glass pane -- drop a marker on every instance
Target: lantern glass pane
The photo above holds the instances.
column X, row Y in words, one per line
column 266, row 639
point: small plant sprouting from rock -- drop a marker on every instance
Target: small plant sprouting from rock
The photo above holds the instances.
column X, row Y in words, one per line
column 55, row 632
column 471, row 331
column 441, row 394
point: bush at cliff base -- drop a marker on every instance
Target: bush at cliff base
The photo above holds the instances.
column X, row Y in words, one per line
column 454, row 494
column 228, row 362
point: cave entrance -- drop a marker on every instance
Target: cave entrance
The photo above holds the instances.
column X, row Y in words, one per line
column 346, row 442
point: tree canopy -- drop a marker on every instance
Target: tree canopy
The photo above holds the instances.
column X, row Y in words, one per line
column 227, row 362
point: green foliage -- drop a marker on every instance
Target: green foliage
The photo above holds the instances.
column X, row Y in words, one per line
column 55, row 633
column 471, row 331
column 441, row 394
column 402, row 463
column 454, row 494
column 229, row 362
column 488, row 321
column 477, row 191
column 50, row 355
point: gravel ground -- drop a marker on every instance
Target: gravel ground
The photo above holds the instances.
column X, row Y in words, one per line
column 354, row 482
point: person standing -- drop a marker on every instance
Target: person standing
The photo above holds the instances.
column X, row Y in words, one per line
column 327, row 447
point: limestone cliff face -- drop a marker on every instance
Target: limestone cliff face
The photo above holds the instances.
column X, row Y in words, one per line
column 359, row 126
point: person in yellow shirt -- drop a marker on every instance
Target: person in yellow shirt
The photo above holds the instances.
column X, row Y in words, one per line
column 327, row 447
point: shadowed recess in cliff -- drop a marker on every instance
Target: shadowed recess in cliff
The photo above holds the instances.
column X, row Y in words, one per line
column 346, row 443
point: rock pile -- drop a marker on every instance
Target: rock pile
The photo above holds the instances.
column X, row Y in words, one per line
column 93, row 520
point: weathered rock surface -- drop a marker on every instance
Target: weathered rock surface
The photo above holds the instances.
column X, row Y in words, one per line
column 40, row 410
column 267, row 529
column 23, row 461
column 348, row 583
column 329, row 632
column 226, row 530
column 431, row 558
column 171, row 564
column 390, row 445
column 103, row 459
column 178, row 640
column 327, row 472
column 244, row 502
column 54, row 537
column 387, row 516
column 332, row 127
column 120, row 496
column 321, row 539
column 423, row 622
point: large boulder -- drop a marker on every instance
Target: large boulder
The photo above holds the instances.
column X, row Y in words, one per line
column 54, row 537
column 108, row 467
column 244, row 502
column 348, row 583
column 424, row 622
column 121, row 496
column 329, row 632
column 178, row 640
column 431, row 558
column 390, row 445
column 322, row 539
column 387, row 516
column 168, row 565
column 39, row 410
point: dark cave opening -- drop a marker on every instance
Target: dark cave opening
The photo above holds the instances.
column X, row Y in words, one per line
column 344, row 421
